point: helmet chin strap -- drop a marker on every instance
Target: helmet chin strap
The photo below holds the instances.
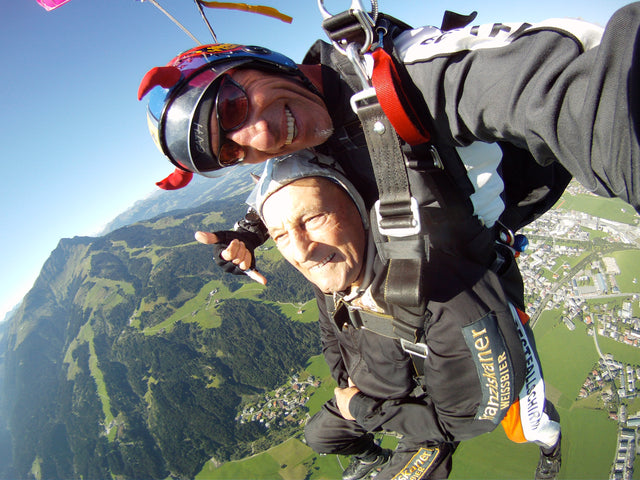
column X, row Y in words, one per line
column 178, row 179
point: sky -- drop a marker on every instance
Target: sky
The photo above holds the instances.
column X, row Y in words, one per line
column 74, row 144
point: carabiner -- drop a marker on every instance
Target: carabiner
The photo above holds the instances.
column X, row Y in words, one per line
column 365, row 21
column 356, row 5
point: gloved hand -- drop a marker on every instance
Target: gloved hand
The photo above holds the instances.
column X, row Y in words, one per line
column 233, row 252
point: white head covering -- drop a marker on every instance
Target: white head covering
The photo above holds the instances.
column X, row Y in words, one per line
column 281, row 171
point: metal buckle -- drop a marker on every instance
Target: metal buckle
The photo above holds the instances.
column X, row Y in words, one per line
column 364, row 19
column 435, row 156
column 418, row 349
column 362, row 97
column 504, row 234
column 414, row 229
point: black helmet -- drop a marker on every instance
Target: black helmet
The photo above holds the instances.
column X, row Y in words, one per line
column 182, row 96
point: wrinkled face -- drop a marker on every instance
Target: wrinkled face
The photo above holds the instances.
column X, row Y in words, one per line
column 318, row 229
column 284, row 116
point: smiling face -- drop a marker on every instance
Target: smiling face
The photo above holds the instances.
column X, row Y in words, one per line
column 284, row 117
column 318, row 229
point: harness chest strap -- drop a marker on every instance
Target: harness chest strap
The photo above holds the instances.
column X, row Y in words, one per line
column 410, row 336
column 388, row 326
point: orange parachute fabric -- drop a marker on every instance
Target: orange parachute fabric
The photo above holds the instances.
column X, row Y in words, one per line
column 261, row 9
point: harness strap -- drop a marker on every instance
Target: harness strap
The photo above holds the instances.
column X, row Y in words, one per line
column 403, row 283
column 411, row 337
column 394, row 101
column 386, row 325
column 397, row 212
column 402, row 249
column 395, row 204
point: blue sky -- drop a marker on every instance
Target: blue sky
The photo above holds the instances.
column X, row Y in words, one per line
column 74, row 145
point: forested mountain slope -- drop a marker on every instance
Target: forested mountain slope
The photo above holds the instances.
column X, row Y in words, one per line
column 130, row 355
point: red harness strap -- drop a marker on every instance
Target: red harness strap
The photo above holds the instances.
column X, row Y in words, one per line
column 393, row 100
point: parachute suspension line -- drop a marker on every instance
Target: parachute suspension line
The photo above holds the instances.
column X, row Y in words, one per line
column 261, row 9
column 182, row 27
column 204, row 17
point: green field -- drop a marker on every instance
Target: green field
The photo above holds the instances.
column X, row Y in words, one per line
column 291, row 460
column 566, row 357
column 318, row 368
column 306, row 313
column 626, row 278
column 610, row 208
column 589, row 437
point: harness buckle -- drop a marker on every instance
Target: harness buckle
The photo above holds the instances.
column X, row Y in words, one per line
column 413, row 223
column 418, row 349
column 363, row 98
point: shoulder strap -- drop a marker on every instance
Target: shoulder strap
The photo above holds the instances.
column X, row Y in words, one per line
column 393, row 100
column 393, row 115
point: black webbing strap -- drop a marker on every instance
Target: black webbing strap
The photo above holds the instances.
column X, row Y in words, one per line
column 380, row 323
column 396, row 213
column 411, row 337
column 403, row 282
column 385, row 325
column 395, row 207
column 414, row 247
column 409, row 334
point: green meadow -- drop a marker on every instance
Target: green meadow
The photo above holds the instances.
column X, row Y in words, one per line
column 609, row 208
column 589, row 437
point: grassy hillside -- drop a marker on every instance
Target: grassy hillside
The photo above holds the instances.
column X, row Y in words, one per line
column 134, row 352
column 588, row 435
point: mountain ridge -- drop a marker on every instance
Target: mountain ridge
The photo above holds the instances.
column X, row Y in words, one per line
column 200, row 190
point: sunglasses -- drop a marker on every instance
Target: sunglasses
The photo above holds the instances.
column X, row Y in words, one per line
column 232, row 111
